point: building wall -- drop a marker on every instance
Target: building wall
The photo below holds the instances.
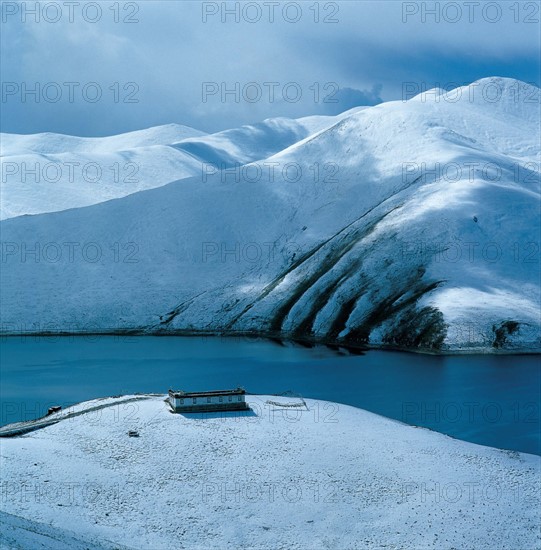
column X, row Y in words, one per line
column 208, row 400
column 213, row 402
column 216, row 407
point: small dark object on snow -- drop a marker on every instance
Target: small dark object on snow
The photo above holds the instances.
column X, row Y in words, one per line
column 55, row 409
column 133, row 433
column 475, row 219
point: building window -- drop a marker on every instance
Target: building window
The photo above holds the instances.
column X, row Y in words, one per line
column 221, row 399
column 240, row 398
column 230, row 398
column 194, row 400
column 181, row 401
column 208, row 399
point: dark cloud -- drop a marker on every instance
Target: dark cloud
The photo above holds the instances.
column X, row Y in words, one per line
column 361, row 59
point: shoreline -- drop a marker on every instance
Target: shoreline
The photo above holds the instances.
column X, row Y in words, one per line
column 76, row 409
column 279, row 339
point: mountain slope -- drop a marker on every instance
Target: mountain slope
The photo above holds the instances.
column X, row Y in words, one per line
column 52, row 172
column 258, row 141
column 409, row 224
column 49, row 144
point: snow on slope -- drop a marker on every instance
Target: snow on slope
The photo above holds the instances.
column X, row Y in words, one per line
column 49, row 144
column 52, row 172
column 408, row 224
column 317, row 123
column 258, row 141
column 24, row 534
column 323, row 475
column 68, row 180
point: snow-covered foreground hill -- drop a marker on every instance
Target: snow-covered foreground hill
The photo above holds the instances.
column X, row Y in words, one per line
column 409, row 224
column 316, row 475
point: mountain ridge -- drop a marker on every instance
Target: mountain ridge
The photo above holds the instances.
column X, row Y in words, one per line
column 386, row 251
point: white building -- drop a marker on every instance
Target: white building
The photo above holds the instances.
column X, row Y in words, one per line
column 208, row 401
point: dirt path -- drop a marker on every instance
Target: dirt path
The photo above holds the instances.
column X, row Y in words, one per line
column 21, row 428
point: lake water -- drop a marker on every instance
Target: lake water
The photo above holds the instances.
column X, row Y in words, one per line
column 491, row 400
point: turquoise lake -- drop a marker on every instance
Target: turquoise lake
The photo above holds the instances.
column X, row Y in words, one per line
column 485, row 399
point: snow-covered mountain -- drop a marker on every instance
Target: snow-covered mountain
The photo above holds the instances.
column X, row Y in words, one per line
column 51, row 172
column 409, row 224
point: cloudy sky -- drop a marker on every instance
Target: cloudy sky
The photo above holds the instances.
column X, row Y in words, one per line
column 92, row 69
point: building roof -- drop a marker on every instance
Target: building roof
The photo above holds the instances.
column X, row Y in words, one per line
column 184, row 394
